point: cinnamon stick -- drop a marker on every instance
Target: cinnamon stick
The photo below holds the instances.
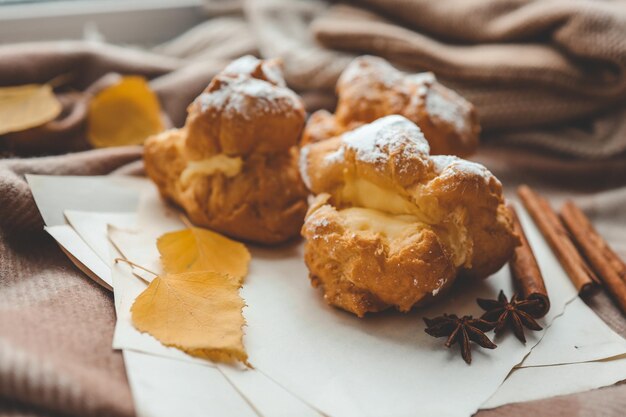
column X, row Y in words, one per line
column 604, row 261
column 557, row 237
column 526, row 273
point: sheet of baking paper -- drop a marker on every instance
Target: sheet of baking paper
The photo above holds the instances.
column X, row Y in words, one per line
column 154, row 218
column 92, row 228
column 267, row 397
column 132, row 246
column 247, row 382
column 384, row 365
column 579, row 335
column 89, row 241
column 55, row 194
column 152, row 227
column 163, row 387
column 278, row 283
column 235, row 372
column 529, row 384
column 82, row 255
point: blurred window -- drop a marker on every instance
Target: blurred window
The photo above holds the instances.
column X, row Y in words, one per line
column 138, row 22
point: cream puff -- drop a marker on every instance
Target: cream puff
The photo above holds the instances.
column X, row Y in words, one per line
column 370, row 88
column 392, row 225
column 233, row 167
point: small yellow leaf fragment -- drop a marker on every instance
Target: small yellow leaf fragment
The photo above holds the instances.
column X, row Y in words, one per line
column 197, row 249
column 27, row 106
column 125, row 113
column 197, row 312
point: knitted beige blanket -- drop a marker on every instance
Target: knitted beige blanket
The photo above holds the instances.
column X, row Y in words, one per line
column 548, row 78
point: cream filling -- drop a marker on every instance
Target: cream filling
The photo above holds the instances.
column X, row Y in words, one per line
column 391, row 226
column 386, row 212
column 363, row 193
column 227, row 165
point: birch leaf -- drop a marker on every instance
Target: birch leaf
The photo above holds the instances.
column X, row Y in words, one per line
column 27, row 106
column 197, row 249
column 197, row 312
column 123, row 114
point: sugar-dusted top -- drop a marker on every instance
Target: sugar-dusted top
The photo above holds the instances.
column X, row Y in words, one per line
column 449, row 108
column 251, row 65
column 422, row 89
column 375, row 142
column 447, row 165
column 373, row 67
column 376, row 69
column 248, row 97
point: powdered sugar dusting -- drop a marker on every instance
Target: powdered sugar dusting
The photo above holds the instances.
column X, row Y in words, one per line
column 244, row 65
column 453, row 109
column 422, row 78
column 449, row 165
column 248, row 64
column 335, row 157
column 242, row 94
column 303, row 164
column 371, row 67
column 320, row 222
column 421, row 89
column 375, row 142
column 440, row 283
column 274, row 73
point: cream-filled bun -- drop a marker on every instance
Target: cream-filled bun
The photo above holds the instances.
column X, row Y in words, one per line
column 392, row 225
column 233, row 167
column 370, row 88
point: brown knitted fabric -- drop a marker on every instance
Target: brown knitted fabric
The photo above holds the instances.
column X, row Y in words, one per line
column 547, row 74
column 56, row 325
column 528, row 66
column 19, row 213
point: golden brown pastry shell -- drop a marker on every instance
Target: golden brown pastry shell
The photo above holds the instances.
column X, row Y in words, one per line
column 464, row 228
column 247, row 124
column 265, row 203
column 360, row 272
column 370, row 88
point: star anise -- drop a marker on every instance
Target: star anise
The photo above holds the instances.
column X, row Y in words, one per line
column 462, row 331
column 515, row 314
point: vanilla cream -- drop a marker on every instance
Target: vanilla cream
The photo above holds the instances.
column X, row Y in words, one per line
column 227, row 165
column 389, row 225
column 386, row 212
column 364, row 193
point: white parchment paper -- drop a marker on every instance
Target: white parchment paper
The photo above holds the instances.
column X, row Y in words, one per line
column 310, row 356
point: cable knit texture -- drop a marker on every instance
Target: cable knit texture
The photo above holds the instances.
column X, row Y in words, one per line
column 56, row 325
column 549, row 74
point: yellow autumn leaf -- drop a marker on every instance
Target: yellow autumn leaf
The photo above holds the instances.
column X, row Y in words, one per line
column 197, row 312
column 196, row 249
column 27, row 106
column 125, row 113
